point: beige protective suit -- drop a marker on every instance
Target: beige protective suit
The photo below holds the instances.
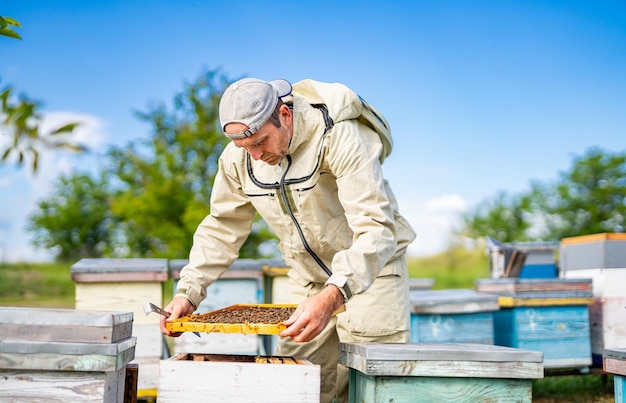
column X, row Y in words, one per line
column 330, row 206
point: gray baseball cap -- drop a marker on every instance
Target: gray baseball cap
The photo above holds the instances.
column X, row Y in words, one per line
column 251, row 101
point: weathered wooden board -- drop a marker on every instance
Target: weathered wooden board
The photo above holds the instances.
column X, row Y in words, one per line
column 64, row 325
column 562, row 333
column 231, row 379
column 36, row 355
column 363, row 388
column 452, row 301
column 615, row 360
column 448, row 359
column 548, row 286
column 61, row 386
column 125, row 297
column 120, row 270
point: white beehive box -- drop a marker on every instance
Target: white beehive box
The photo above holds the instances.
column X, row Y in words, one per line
column 238, row 378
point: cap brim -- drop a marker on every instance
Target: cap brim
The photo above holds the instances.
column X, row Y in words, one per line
column 283, row 87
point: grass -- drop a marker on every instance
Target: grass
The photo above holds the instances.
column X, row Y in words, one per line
column 50, row 285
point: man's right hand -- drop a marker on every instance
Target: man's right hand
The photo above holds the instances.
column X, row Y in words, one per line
column 180, row 306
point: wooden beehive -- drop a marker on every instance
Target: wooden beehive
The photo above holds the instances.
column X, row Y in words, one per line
column 403, row 373
column 548, row 315
column 238, row 378
column 58, row 355
column 452, row 316
column 126, row 285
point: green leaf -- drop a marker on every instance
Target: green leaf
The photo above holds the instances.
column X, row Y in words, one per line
column 6, row 154
column 4, row 31
column 11, row 21
column 3, row 22
column 35, row 160
column 65, row 129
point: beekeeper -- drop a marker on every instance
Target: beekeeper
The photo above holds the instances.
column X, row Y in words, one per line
column 308, row 160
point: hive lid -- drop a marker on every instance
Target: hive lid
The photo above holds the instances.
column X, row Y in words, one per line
column 64, row 325
column 240, row 318
column 452, row 301
column 464, row 360
column 115, row 270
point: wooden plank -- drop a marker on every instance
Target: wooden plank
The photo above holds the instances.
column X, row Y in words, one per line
column 437, row 389
column 615, row 353
column 444, row 368
column 452, row 301
column 614, row 366
column 439, row 352
column 187, row 380
column 518, row 286
column 62, row 386
column 130, row 383
column 120, row 270
column 66, row 356
column 64, row 325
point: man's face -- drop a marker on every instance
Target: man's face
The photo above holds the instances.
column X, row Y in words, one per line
column 270, row 143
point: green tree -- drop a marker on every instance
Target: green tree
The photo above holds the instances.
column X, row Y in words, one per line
column 75, row 221
column 504, row 218
column 5, row 30
column 589, row 198
column 164, row 183
column 23, row 119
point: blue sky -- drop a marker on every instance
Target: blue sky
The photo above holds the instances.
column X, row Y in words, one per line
column 482, row 96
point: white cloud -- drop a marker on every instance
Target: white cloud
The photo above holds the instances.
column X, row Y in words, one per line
column 25, row 189
column 433, row 220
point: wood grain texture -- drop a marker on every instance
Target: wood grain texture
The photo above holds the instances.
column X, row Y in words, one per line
column 223, row 381
column 452, row 301
column 562, row 333
column 64, row 325
column 66, row 356
column 62, row 387
column 452, row 328
column 365, row 388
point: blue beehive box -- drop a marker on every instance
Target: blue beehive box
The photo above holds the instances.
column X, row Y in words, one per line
column 452, row 316
column 550, row 315
column 449, row 372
